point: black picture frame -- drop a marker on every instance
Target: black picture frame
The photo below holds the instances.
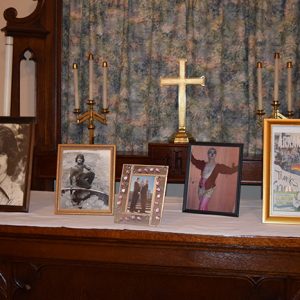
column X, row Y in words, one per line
column 16, row 156
column 219, row 188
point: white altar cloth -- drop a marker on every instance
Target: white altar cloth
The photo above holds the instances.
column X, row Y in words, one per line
column 41, row 214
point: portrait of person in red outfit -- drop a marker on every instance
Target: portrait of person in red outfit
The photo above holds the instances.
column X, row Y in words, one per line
column 212, row 185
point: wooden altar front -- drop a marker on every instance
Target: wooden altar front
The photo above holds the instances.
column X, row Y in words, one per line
column 46, row 256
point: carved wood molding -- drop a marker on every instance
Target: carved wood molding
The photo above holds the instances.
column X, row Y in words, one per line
column 21, row 278
column 4, row 281
column 28, row 26
column 17, row 278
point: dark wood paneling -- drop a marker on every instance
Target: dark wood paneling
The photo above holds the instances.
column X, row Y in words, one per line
column 62, row 263
column 40, row 33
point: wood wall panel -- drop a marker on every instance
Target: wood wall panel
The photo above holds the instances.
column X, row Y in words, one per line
column 64, row 263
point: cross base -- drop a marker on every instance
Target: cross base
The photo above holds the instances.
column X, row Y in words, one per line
column 181, row 137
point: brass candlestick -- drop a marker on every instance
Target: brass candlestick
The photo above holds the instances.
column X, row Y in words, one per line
column 275, row 111
column 260, row 113
column 276, row 114
column 91, row 116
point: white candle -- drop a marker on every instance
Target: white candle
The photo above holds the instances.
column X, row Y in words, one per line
column 104, row 65
column 276, row 77
column 9, row 42
column 76, row 94
column 91, row 72
column 289, row 66
column 259, row 86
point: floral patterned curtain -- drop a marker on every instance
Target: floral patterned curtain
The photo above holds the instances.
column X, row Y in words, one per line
column 142, row 41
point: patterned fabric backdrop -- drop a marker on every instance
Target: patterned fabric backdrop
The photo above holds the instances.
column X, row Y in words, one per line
column 142, row 41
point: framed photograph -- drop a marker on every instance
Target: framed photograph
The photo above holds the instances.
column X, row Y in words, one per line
column 212, row 184
column 141, row 195
column 16, row 153
column 281, row 171
column 85, row 179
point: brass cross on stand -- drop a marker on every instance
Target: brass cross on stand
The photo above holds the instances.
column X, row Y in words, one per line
column 182, row 136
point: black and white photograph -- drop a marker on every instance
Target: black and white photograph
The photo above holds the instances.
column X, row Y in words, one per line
column 85, row 179
column 141, row 195
column 16, row 150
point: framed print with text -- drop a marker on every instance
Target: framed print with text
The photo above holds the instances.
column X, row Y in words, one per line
column 85, row 179
column 281, row 171
column 213, row 176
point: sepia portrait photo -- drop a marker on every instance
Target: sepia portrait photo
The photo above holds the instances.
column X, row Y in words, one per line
column 85, row 179
column 16, row 150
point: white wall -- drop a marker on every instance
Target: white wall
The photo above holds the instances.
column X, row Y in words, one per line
column 24, row 8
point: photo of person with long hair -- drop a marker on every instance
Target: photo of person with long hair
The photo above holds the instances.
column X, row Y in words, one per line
column 11, row 192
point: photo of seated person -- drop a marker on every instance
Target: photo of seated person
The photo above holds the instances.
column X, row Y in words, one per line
column 81, row 176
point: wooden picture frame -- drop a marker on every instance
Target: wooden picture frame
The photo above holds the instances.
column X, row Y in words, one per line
column 219, row 193
column 16, row 159
column 85, row 179
column 281, row 171
column 141, row 196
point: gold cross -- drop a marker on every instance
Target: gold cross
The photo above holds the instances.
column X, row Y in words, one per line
column 182, row 136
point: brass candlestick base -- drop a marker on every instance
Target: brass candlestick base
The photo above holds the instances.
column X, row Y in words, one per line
column 275, row 113
column 91, row 116
column 105, row 110
column 290, row 114
column 181, row 137
column 260, row 113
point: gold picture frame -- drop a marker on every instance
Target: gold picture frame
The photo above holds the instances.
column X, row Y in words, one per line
column 141, row 196
column 281, row 171
column 85, row 179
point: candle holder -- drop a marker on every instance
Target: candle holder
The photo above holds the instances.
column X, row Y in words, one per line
column 276, row 114
column 91, row 116
column 260, row 113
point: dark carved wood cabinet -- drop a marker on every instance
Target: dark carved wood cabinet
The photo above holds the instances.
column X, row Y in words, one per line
column 62, row 263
